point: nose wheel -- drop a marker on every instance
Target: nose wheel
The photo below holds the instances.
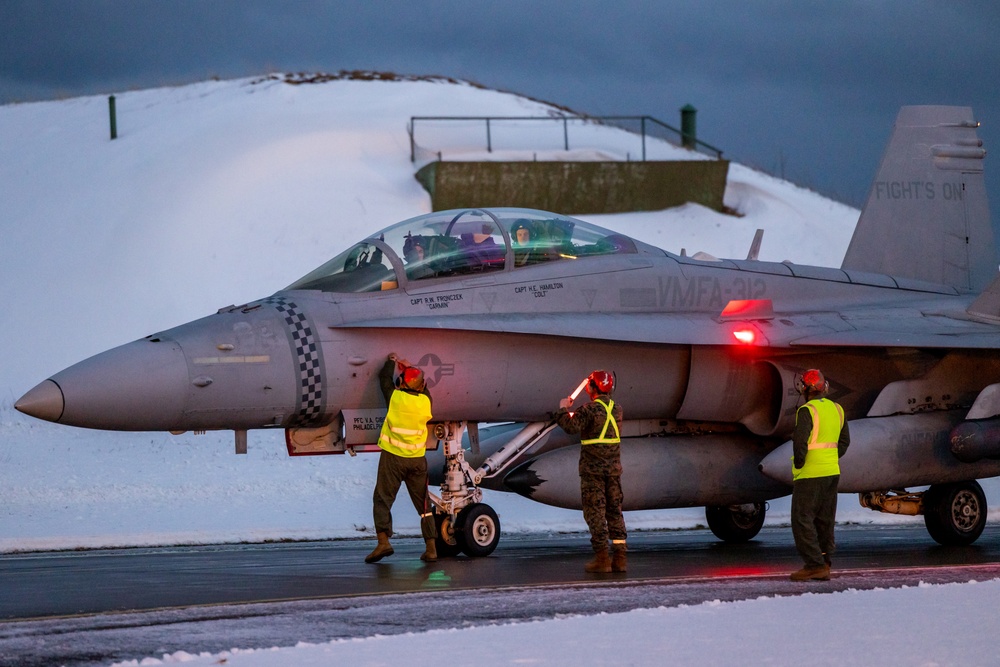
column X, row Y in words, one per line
column 477, row 530
column 446, row 539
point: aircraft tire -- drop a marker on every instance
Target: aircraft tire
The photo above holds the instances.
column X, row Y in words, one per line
column 955, row 514
column 477, row 530
column 446, row 540
column 734, row 523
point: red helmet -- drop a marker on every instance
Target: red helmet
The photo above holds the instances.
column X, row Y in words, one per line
column 601, row 382
column 411, row 378
column 812, row 381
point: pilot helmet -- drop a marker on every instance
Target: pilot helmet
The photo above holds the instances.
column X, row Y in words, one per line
column 411, row 378
column 600, row 382
column 410, row 245
column 519, row 224
column 812, row 381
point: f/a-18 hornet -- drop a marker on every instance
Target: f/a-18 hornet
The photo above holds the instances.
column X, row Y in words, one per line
column 505, row 310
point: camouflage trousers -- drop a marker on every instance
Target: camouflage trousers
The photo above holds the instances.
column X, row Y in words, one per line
column 394, row 471
column 602, row 508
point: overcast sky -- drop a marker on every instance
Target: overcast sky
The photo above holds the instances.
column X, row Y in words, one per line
column 808, row 90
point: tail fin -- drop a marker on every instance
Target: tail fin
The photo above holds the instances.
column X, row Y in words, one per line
column 927, row 217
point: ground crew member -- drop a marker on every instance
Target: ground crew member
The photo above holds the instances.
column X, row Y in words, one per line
column 598, row 424
column 821, row 437
column 404, row 433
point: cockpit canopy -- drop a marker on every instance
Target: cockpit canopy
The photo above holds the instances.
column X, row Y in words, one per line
column 462, row 243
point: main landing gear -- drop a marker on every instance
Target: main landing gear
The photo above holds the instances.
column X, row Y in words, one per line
column 736, row 523
column 954, row 513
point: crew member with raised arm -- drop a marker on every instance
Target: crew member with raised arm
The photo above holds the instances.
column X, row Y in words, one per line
column 402, row 460
column 598, row 422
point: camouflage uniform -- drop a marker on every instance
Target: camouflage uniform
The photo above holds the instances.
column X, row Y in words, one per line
column 600, row 472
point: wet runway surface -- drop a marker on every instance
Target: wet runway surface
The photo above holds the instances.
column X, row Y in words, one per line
column 85, row 608
column 88, row 582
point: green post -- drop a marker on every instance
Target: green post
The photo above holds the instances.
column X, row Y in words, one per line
column 114, row 120
column 689, row 132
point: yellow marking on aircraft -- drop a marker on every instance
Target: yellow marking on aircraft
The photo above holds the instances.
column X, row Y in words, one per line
column 258, row 359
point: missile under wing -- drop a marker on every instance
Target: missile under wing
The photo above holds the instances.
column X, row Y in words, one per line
column 506, row 309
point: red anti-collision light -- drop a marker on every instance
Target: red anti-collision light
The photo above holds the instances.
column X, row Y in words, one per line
column 745, row 336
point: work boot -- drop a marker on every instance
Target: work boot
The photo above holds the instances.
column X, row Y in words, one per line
column 430, row 554
column 601, row 562
column 381, row 551
column 815, row 573
column 618, row 561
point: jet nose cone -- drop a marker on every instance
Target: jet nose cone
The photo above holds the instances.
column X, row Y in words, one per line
column 45, row 401
column 139, row 386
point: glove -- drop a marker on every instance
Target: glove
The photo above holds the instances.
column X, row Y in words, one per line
column 565, row 403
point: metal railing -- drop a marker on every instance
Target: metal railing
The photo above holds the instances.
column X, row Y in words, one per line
column 646, row 125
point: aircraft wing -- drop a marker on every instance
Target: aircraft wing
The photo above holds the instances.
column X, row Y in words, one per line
column 895, row 327
column 906, row 327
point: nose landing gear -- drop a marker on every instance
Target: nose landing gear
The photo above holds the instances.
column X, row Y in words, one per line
column 464, row 523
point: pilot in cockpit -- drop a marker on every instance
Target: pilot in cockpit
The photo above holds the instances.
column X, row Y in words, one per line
column 481, row 250
column 415, row 255
column 520, row 234
column 531, row 244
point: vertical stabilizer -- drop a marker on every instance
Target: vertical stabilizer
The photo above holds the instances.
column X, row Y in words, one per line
column 927, row 217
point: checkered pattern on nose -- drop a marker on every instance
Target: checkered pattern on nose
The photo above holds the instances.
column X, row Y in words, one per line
column 307, row 356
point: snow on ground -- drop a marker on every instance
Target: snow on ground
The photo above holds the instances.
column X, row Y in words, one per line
column 847, row 628
column 223, row 192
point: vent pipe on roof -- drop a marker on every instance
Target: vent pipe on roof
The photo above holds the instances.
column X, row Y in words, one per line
column 689, row 131
column 114, row 118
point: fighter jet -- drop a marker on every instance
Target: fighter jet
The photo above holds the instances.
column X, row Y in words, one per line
column 506, row 310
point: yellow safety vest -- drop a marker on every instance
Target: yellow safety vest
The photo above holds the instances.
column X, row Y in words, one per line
column 822, row 459
column 603, row 438
column 404, row 431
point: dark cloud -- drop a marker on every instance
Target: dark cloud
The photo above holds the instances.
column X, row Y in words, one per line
column 808, row 90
